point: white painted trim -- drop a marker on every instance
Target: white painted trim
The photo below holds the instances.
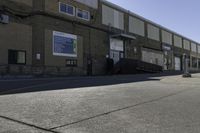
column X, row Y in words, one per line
column 84, row 11
column 74, row 10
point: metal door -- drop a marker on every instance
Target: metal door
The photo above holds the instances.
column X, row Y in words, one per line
column 177, row 63
column 167, row 60
column 115, row 55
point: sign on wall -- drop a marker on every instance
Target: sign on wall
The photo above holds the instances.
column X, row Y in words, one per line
column 64, row 44
column 90, row 3
column 116, row 44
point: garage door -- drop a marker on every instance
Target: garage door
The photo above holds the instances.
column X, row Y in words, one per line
column 177, row 63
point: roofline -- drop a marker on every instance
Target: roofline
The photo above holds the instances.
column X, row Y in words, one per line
column 147, row 20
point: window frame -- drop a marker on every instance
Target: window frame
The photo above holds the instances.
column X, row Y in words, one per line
column 77, row 11
column 74, row 9
column 17, row 51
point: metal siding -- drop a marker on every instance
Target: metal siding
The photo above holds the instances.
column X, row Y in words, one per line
column 194, row 47
column 107, row 16
column 116, row 18
column 198, row 49
column 153, row 32
column 166, row 37
column 177, row 63
column 136, row 26
column 112, row 17
column 150, row 57
column 186, row 44
column 90, row 3
column 121, row 21
column 178, row 41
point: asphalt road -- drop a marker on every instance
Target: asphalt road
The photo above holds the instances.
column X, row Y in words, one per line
column 117, row 104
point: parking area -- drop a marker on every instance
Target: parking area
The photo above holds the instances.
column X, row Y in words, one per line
column 120, row 104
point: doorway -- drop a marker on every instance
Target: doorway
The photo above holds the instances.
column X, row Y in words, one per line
column 177, row 63
column 116, row 49
column 116, row 55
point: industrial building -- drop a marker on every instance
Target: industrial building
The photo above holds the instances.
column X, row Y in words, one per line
column 77, row 37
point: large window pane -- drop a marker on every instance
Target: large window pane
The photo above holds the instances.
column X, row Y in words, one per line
column 62, row 7
column 70, row 9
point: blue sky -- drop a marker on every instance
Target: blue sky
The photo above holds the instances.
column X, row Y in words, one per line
column 181, row 16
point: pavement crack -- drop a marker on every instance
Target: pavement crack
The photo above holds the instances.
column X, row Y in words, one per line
column 27, row 124
column 120, row 109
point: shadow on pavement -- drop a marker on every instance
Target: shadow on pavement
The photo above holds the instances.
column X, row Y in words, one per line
column 25, row 86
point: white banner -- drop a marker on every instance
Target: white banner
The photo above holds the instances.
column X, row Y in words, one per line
column 116, row 44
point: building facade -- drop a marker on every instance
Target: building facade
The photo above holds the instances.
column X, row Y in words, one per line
column 75, row 37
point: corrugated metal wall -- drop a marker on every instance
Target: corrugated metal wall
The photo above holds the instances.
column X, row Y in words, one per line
column 153, row 32
column 90, row 3
column 194, row 47
column 152, row 56
column 166, row 37
column 112, row 17
column 136, row 26
column 198, row 49
column 186, row 44
column 178, row 41
column 177, row 64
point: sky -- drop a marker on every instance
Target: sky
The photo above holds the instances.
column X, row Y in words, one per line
column 181, row 16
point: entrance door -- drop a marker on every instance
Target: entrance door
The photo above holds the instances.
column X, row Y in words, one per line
column 167, row 60
column 177, row 63
column 116, row 55
column 116, row 49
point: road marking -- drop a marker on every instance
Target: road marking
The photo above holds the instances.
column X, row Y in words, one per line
column 27, row 124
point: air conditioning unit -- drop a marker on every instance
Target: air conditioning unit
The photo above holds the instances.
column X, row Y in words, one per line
column 4, row 19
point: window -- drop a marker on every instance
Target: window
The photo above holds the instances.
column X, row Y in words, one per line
column 83, row 14
column 16, row 57
column 67, row 9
